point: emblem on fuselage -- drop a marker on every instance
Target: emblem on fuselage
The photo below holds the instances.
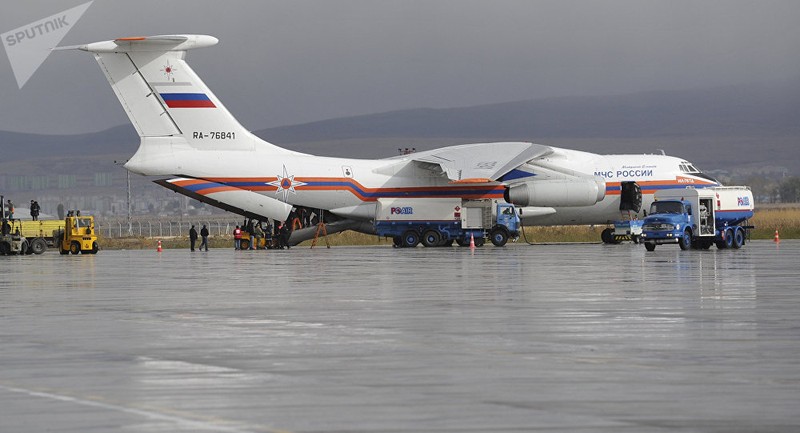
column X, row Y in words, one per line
column 285, row 184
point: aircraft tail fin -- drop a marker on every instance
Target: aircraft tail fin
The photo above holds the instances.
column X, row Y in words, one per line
column 164, row 97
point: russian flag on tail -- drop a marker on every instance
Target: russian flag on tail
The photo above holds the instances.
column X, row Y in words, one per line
column 187, row 100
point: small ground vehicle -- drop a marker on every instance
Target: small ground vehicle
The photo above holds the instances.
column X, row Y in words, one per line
column 11, row 240
column 77, row 236
column 442, row 221
column 699, row 218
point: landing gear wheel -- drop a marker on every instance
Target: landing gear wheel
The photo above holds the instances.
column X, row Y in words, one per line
column 650, row 246
column 410, row 239
column 431, row 238
column 499, row 236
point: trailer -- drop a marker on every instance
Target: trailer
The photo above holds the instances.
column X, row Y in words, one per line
column 699, row 218
column 442, row 221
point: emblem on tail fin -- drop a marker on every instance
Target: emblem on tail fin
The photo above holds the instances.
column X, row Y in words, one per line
column 168, row 71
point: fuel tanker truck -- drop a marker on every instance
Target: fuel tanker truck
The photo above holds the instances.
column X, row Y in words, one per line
column 699, row 218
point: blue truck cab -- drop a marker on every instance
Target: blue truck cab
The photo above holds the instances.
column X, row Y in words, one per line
column 667, row 223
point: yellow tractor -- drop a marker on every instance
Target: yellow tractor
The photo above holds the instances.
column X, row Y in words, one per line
column 78, row 235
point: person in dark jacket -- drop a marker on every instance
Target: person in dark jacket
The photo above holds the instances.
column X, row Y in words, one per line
column 284, row 236
column 192, row 237
column 35, row 210
column 204, row 237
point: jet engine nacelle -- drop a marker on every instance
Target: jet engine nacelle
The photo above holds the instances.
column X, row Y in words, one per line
column 557, row 192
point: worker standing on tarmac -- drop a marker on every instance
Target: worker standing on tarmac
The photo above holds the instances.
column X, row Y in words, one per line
column 258, row 232
column 237, row 238
column 285, row 232
column 192, row 237
column 204, row 237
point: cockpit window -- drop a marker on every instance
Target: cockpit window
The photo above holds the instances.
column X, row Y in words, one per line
column 687, row 167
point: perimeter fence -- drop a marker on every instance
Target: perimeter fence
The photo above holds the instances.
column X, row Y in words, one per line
column 163, row 227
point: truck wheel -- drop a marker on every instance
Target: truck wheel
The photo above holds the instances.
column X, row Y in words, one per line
column 95, row 248
column 38, row 246
column 499, row 237
column 607, row 236
column 650, row 246
column 75, row 248
column 431, row 238
column 729, row 238
column 397, row 241
column 738, row 238
column 4, row 248
column 479, row 242
column 462, row 242
column 410, row 239
column 685, row 242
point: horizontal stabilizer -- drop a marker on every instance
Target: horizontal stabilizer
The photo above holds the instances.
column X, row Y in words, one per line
column 147, row 43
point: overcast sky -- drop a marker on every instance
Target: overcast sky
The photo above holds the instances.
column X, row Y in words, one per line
column 288, row 62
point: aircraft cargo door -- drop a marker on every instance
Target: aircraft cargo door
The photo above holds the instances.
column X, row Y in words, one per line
column 630, row 197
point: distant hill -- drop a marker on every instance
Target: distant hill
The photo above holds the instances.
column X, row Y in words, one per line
column 753, row 110
column 746, row 127
column 753, row 126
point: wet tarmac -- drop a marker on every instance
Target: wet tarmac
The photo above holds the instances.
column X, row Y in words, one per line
column 573, row 338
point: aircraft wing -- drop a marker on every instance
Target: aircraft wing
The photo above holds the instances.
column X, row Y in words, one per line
column 480, row 162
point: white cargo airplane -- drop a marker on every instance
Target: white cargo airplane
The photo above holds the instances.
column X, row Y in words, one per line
column 188, row 136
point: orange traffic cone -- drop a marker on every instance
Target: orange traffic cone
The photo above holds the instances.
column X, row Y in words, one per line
column 159, row 246
column 777, row 238
column 472, row 241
